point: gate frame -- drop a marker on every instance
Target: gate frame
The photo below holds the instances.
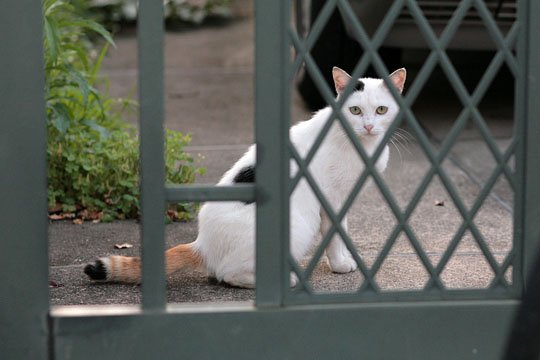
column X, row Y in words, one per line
column 528, row 109
column 24, row 294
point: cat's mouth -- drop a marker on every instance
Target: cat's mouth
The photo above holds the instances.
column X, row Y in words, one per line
column 369, row 134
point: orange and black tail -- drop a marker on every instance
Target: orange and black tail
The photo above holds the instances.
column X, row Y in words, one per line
column 128, row 269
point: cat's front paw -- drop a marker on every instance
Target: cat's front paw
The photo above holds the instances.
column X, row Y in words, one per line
column 342, row 264
column 294, row 280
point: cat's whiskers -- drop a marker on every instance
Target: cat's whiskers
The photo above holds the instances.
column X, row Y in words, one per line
column 403, row 143
column 403, row 138
column 398, row 150
column 399, row 139
column 405, row 134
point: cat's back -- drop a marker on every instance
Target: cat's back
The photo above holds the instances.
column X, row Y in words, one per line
column 304, row 133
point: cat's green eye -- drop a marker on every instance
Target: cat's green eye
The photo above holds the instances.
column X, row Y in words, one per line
column 381, row 110
column 355, row 110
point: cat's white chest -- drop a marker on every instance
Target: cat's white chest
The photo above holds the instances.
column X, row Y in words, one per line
column 342, row 169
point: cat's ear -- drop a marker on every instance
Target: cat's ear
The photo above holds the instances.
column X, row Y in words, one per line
column 341, row 79
column 398, row 78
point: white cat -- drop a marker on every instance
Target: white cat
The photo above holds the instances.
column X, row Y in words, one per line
column 225, row 245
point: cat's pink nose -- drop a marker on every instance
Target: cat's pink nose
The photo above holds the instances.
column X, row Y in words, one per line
column 368, row 127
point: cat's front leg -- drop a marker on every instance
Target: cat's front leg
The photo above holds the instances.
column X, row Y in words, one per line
column 339, row 257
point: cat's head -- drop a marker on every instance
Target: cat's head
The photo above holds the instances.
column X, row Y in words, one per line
column 370, row 108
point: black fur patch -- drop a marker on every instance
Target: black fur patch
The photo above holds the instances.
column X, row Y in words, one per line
column 96, row 271
column 359, row 86
column 246, row 175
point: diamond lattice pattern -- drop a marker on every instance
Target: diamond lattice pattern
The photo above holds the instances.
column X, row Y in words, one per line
column 432, row 265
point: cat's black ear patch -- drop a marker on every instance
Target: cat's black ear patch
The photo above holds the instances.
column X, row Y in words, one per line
column 359, row 86
column 246, row 175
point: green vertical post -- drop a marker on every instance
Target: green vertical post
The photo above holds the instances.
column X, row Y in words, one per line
column 24, row 302
column 529, row 113
column 272, row 57
column 152, row 165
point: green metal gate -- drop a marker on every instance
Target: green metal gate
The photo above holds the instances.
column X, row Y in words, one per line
column 284, row 323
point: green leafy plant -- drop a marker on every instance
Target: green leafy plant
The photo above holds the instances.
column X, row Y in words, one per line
column 92, row 152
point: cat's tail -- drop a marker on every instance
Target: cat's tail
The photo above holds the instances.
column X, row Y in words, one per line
column 128, row 269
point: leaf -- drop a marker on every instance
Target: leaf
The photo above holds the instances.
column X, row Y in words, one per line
column 97, row 65
column 103, row 132
column 52, row 38
column 62, row 216
column 172, row 214
column 95, row 215
column 128, row 197
column 123, row 246
column 91, row 25
column 81, row 54
column 82, row 83
column 56, row 208
column 68, row 208
column 126, row 183
column 52, row 6
column 62, row 118
column 78, row 221
column 90, row 215
column 54, row 284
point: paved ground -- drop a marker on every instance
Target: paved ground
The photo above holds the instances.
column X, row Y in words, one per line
column 209, row 89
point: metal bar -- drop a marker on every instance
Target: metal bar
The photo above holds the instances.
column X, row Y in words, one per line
column 414, row 330
column 336, row 224
column 456, row 129
column 380, row 34
column 451, row 247
column 447, row 35
column 368, row 46
column 314, row 31
column 451, row 28
column 152, row 165
column 336, row 113
column 501, row 281
column 303, row 282
column 195, row 192
column 495, row 33
column 272, row 57
column 369, row 161
column 23, row 183
column 530, row 168
column 386, row 296
column 326, row 93
column 465, row 98
column 436, row 45
column 520, row 131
